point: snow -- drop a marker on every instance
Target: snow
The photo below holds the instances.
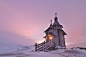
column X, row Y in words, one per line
column 5, row 48
column 29, row 51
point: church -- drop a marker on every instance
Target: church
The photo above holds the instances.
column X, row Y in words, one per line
column 54, row 36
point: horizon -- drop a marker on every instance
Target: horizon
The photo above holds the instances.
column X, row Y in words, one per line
column 23, row 21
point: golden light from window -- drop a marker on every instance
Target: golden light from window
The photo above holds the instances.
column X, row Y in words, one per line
column 50, row 38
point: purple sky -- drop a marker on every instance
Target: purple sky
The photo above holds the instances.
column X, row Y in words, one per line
column 24, row 21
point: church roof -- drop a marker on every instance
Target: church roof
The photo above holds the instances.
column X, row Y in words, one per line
column 56, row 23
column 48, row 29
column 64, row 32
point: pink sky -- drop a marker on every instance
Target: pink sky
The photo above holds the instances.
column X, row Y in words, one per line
column 24, row 21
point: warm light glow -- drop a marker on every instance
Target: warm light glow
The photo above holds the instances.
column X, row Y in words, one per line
column 39, row 42
column 50, row 38
column 66, row 43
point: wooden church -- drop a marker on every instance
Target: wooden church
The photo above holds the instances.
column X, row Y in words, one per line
column 54, row 37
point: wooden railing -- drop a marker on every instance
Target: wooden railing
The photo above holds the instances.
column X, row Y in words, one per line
column 48, row 45
column 44, row 46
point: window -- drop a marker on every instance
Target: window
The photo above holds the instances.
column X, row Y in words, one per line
column 50, row 32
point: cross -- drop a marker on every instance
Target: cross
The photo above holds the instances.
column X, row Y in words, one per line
column 55, row 14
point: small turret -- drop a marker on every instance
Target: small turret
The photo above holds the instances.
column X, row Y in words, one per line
column 51, row 23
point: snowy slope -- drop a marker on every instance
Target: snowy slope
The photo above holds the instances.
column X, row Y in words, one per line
column 5, row 48
column 28, row 51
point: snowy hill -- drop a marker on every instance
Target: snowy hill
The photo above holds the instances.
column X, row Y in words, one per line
column 28, row 51
column 5, row 48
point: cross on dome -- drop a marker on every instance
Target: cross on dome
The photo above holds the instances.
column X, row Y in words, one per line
column 55, row 14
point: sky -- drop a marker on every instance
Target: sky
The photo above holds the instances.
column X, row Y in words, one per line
column 24, row 21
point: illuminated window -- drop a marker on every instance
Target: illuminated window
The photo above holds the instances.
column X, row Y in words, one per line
column 50, row 38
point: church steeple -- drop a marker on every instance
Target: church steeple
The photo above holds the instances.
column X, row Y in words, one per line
column 56, row 20
column 55, row 17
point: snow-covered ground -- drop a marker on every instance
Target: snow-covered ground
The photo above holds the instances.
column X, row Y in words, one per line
column 28, row 51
